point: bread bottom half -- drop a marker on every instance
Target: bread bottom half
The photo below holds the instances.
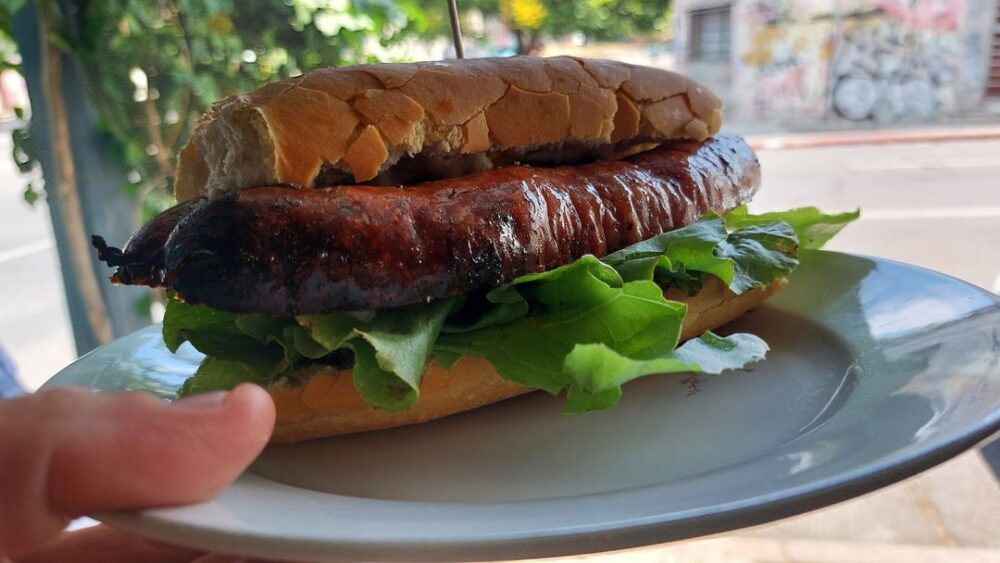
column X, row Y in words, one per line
column 326, row 404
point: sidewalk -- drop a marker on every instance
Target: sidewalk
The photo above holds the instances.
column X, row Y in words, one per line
column 914, row 134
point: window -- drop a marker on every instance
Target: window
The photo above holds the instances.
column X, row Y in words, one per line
column 709, row 40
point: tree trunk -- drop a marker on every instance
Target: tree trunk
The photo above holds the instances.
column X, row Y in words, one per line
column 84, row 184
column 66, row 186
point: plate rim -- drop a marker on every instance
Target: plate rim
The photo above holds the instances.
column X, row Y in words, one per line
column 629, row 534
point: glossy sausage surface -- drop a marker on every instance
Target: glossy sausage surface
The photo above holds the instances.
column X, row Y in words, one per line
column 284, row 251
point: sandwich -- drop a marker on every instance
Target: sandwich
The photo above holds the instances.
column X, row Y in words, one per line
column 382, row 245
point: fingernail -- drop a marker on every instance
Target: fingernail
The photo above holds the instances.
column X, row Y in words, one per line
column 202, row 401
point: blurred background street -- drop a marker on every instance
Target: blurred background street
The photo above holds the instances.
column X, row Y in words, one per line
column 892, row 106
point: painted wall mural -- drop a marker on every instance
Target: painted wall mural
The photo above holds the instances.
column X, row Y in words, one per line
column 882, row 60
column 787, row 59
column 904, row 61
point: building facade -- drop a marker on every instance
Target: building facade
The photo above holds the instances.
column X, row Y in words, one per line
column 858, row 60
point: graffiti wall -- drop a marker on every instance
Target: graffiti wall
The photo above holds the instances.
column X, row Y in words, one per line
column 858, row 60
column 786, row 60
column 906, row 61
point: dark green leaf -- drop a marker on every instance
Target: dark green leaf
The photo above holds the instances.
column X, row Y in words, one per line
column 747, row 258
column 378, row 387
column 180, row 317
column 263, row 328
column 693, row 246
column 399, row 342
column 760, row 254
column 233, row 347
column 303, row 344
column 218, row 375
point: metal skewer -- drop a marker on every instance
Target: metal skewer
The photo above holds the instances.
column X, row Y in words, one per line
column 456, row 29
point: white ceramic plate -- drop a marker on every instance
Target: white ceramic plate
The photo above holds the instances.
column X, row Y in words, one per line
column 878, row 370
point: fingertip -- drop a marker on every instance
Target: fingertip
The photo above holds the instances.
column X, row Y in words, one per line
column 253, row 403
column 77, row 452
column 254, row 398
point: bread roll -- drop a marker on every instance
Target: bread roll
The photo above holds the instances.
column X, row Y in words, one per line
column 327, row 404
column 338, row 125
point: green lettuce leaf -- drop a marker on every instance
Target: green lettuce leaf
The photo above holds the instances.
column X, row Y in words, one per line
column 474, row 311
column 218, row 375
column 813, row 227
column 745, row 259
column 760, row 254
column 379, row 387
column 599, row 371
column 390, row 348
column 298, row 339
column 181, row 318
column 693, row 246
column 216, row 334
column 583, row 302
column 589, row 331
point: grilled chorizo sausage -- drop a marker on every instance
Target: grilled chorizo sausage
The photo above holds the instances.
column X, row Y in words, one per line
column 286, row 251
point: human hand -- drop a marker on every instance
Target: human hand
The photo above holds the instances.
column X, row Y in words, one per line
column 67, row 452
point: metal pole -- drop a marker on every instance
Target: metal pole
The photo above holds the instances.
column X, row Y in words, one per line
column 456, row 29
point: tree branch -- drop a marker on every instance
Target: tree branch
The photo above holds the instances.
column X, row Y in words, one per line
column 174, row 132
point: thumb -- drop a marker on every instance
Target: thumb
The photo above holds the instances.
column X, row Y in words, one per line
column 71, row 451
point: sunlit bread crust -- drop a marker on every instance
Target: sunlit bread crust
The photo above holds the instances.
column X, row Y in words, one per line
column 361, row 119
column 327, row 404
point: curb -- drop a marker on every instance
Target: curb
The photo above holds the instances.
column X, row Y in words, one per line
column 885, row 137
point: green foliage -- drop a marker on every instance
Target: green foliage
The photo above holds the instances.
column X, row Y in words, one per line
column 9, row 57
column 154, row 67
column 390, row 348
column 601, row 20
column 607, row 19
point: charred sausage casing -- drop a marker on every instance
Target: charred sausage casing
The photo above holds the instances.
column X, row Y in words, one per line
column 287, row 251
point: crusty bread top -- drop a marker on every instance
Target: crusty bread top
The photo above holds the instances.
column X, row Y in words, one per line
column 359, row 120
